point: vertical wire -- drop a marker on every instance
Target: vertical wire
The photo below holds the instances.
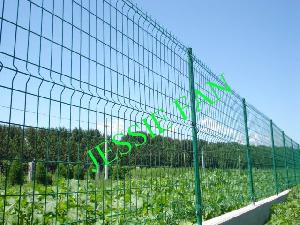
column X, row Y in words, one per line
column 24, row 109
column 89, row 109
column 104, row 90
column 49, row 111
column 11, row 99
column 79, row 134
column 57, row 172
column 37, row 115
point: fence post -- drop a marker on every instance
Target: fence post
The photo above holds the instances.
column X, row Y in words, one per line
column 195, row 142
column 249, row 156
column 285, row 162
column 273, row 156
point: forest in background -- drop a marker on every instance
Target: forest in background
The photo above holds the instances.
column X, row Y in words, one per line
column 61, row 145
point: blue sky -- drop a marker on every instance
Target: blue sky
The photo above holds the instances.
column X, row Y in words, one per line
column 63, row 60
column 255, row 43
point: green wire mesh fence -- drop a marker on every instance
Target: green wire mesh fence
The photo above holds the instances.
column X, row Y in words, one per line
column 77, row 73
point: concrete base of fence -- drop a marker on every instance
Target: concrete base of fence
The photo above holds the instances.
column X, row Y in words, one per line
column 254, row 214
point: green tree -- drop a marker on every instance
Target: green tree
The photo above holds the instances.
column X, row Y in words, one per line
column 65, row 171
column 78, row 172
column 41, row 175
column 16, row 173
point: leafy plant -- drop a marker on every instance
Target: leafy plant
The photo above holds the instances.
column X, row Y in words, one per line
column 78, row 172
column 120, row 173
column 157, row 196
column 16, row 173
column 287, row 212
column 65, row 171
column 41, row 175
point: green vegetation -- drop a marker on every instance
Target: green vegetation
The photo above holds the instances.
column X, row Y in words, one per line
column 144, row 195
column 78, row 172
column 287, row 212
column 60, row 144
column 153, row 185
column 41, row 175
column 119, row 172
column 16, row 173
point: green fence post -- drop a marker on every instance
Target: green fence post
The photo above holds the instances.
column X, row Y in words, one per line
column 195, row 142
column 249, row 156
column 285, row 162
column 274, row 157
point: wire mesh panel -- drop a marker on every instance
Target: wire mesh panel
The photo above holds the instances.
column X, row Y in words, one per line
column 261, row 148
column 221, row 135
column 296, row 159
column 96, row 128
column 80, row 74
column 280, row 158
column 291, row 163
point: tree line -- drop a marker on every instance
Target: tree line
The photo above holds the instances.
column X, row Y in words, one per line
column 56, row 145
